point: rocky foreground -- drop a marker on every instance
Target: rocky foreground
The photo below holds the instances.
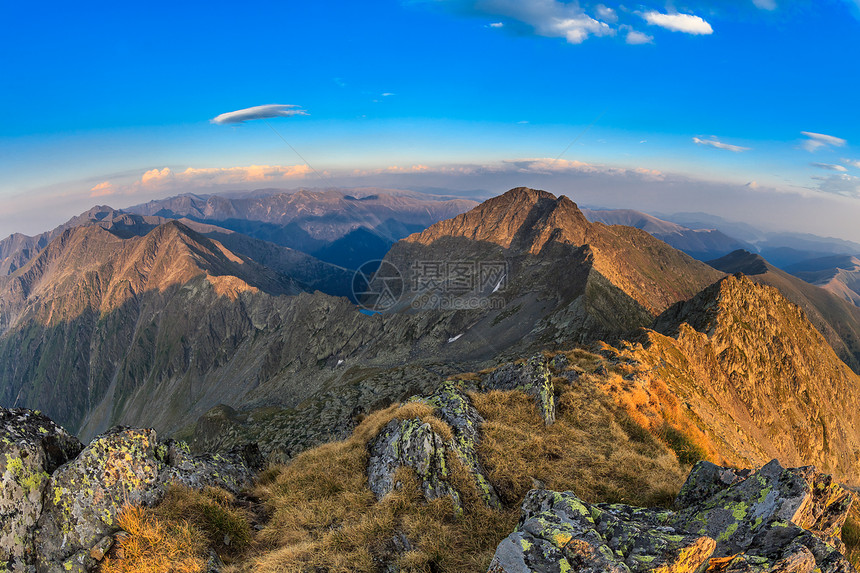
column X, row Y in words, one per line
column 60, row 500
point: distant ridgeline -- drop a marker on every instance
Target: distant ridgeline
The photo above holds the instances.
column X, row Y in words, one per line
column 510, row 347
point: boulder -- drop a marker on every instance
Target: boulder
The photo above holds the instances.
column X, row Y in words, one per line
column 124, row 466
column 773, row 520
column 232, row 471
column 759, row 513
column 532, row 377
column 83, row 497
column 32, row 446
column 415, row 444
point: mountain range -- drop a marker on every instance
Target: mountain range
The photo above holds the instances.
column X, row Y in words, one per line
column 517, row 317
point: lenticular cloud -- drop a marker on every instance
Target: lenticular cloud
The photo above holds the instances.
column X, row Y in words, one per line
column 268, row 111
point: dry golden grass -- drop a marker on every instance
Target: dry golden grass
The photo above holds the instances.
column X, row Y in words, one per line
column 851, row 536
column 176, row 535
column 325, row 518
column 155, row 546
column 593, row 449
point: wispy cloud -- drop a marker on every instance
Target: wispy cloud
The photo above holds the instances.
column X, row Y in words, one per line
column 714, row 142
column 686, row 23
column 268, row 111
column 497, row 25
column 201, row 177
column 829, row 166
column 852, row 162
column 636, row 38
column 103, row 189
column 816, row 141
column 765, row 4
column 549, row 18
column 841, row 184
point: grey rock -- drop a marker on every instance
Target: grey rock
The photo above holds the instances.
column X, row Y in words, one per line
column 774, row 520
column 532, row 377
column 410, row 443
column 558, row 532
column 232, row 471
column 31, row 447
column 84, row 497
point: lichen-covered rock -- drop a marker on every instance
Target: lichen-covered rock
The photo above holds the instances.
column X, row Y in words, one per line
column 532, row 377
column 558, row 532
column 232, row 471
column 83, row 497
column 32, row 446
column 774, row 520
column 454, row 408
column 705, row 480
column 754, row 512
column 413, row 444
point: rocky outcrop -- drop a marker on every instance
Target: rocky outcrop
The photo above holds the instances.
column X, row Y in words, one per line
column 558, row 532
column 415, row 444
column 32, row 448
column 59, row 504
column 532, row 377
column 728, row 521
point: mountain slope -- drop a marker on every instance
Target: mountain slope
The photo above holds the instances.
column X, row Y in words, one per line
column 702, row 244
column 587, row 280
column 76, row 315
column 744, row 365
column 837, row 320
column 838, row 274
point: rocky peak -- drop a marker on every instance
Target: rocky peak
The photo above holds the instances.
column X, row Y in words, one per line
column 522, row 219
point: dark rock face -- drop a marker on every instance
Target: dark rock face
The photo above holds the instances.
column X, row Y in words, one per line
column 59, row 504
column 729, row 521
column 32, row 447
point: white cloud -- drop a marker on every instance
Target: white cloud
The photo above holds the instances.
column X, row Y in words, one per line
column 816, row 141
column 686, row 23
column 387, row 94
column 765, row 4
column 605, row 13
column 268, row 111
column 154, row 175
column 549, row 18
column 829, row 166
column 497, row 25
column 713, row 142
column 635, row 38
column 852, row 162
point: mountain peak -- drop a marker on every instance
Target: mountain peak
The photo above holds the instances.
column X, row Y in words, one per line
column 741, row 261
column 522, row 219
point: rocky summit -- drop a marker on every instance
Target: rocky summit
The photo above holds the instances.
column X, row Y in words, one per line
column 772, row 520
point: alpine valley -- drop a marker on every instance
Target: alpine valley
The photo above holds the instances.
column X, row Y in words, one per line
column 511, row 386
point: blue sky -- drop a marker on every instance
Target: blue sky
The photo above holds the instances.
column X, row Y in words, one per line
column 661, row 106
